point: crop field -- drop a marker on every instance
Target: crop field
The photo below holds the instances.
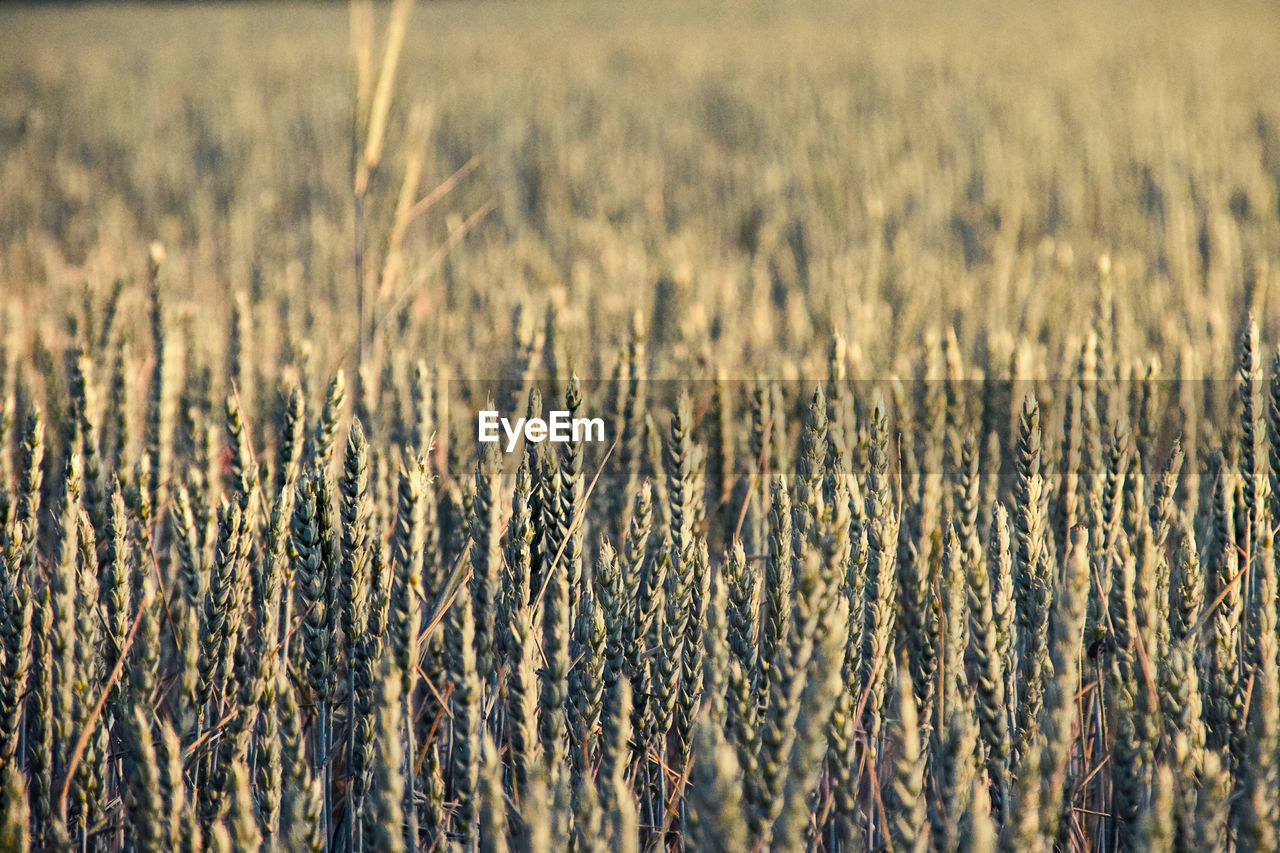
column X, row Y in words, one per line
column 884, row 403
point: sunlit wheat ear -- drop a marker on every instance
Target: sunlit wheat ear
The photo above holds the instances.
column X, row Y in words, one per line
column 1183, row 708
column 777, row 584
column 179, row 817
column 466, row 706
column 1212, row 811
column 668, row 636
column 821, row 692
column 720, row 443
column 323, row 435
column 908, row 828
column 1222, row 714
column 39, row 730
column 85, row 441
column 643, row 591
column 715, row 655
column 17, row 640
column 1164, row 515
column 1129, row 775
column 571, row 496
column 1068, row 506
column 759, row 435
column 1032, row 590
column 486, row 557
column 715, row 793
column 978, row 829
column 158, row 430
column 15, row 816
column 1257, row 823
column 30, row 479
column 62, row 587
column 536, row 817
column 1157, row 819
column 385, row 802
column 517, row 567
column 990, row 644
column 493, row 825
column 292, row 424
column 882, row 533
column 238, row 819
column 693, row 654
column 586, row 819
column 146, row 807
column 618, row 800
column 616, row 628
column 1187, row 587
column 88, row 783
column 806, row 641
column 843, row 745
column 353, row 578
column 523, row 687
column 586, row 678
column 1059, row 712
column 435, row 821
column 1253, row 448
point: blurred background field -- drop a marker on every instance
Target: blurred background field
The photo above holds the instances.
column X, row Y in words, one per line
column 753, row 177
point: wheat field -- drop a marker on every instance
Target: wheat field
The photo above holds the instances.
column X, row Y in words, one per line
column 935, row 353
